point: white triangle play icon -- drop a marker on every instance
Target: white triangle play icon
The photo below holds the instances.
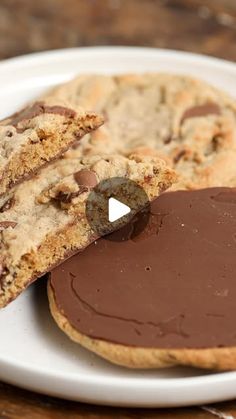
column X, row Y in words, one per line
column 116, row 209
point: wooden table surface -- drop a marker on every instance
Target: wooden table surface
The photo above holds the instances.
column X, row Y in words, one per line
column 204, row 26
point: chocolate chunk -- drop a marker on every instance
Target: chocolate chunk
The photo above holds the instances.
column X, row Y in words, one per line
column 148, row 178
column 175, row 284
column 7, row 205
column 6, row 224
column 39, row 108
column 168, row 139
column 179, row 156
column 86, row 177
column 201, row 110
column 67, row 197
column 60, row 110
column 9, row 134
column 3, row 272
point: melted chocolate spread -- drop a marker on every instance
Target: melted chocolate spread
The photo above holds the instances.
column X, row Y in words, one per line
column 173, row 286
column 39, row 108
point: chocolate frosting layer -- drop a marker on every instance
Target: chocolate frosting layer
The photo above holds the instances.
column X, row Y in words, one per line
column 173, row 286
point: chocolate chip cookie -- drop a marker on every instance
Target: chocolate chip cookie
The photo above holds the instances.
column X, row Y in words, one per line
column 188, row 122
column 43, row 220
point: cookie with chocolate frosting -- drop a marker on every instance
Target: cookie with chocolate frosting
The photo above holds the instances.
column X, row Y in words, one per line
column 37, row 134
column 188, row 122
column 43, row 220
column 164, row 297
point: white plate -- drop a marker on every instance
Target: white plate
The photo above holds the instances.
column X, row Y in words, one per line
column 34, row 354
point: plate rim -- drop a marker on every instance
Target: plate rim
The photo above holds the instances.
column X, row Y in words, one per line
column 120, row 49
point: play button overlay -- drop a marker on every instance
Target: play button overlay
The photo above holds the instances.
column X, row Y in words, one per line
column 116, row 210
column 113, row 203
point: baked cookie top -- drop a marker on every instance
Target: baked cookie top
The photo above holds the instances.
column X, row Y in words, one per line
column 188, row 122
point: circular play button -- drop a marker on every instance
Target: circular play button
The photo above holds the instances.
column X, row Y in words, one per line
column 113, row 203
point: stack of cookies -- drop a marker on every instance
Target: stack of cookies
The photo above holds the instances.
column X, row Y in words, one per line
column 155, row 299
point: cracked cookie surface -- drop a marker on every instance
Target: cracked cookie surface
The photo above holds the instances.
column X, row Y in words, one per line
column 186, row 121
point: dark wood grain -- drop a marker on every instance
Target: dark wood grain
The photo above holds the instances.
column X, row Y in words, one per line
column 205, row 26
column 19, row 404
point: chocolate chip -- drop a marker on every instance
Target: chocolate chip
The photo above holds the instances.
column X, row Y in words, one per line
column 60, row 110
column 201, row 110
column 66, row 197
column 168, row 140
column 156, row 171
column 7, row 205
column 39, row 108
column 9, row 134
column 86, row 177
column 6, row 224
column 1, row 274
column 179, row 156
column 148, row 178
